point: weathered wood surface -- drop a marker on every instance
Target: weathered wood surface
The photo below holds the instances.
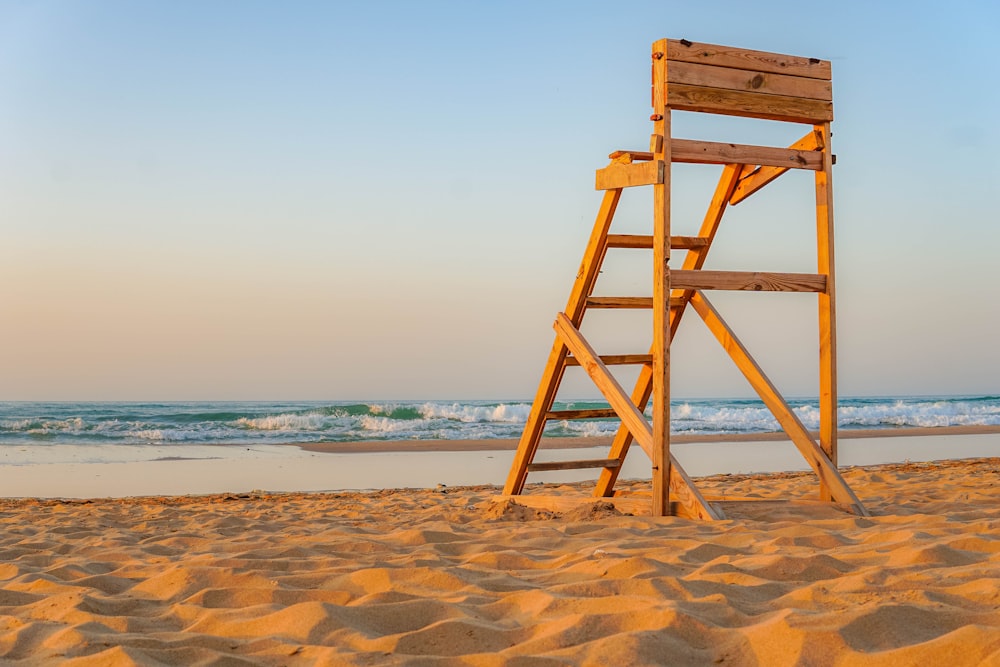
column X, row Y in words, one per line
column 617, row 359
column 800, row 155
column 645, row 241
column 594, row 413
column 729, row 78
column 756, row 178
column 620, row 175
column 555, row 366
column 753, row 105
column 713, row 152
column 625, row 302
column 762, row 61
column 789, row 422
column 827, row 308
column 543, row 466
column 755, row 281
column 658, row 447
column 637, row 506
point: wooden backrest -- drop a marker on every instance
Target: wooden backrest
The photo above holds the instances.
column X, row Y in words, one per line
column 740, row 82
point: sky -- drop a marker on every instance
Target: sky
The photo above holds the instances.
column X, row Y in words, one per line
column 390, row 200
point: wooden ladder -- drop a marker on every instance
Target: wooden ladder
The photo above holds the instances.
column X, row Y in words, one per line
column 711, row 79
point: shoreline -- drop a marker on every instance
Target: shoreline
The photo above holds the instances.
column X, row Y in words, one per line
column 297, row 469
column 502, row 445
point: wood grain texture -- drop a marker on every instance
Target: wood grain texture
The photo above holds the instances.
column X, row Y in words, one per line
column 789, row 422
column 755, row 281
column 713, row 152
column 755, row 179
column 645, row 241
column 617, row 359
column 595, row 413
column 622, row 175
column 634, row 302
column 574, row 465
column 762, row 61
column 636, row 506
column 729, row 78
column 752, row 105
column 658, row 447
column 827, row 308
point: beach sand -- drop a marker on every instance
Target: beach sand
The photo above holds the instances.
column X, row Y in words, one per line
column 448, row 577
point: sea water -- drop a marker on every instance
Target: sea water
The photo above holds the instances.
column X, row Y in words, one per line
column 166, row 429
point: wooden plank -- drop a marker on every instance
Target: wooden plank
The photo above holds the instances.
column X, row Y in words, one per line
column 694, row 260
column 620, row 175
column 617, row 359
column 680, row 484
column 555, row 366
column 762, row 61
column 636, row 506
column 645, row 241
column 756, row 281
column 790, row 423
column 751, row 105
column 632, row 156
column 713, row 152
column 755, row 179
column 574, row 465
column 626, row 302
column 827, row 308
column 595, row 413
column 730, row 78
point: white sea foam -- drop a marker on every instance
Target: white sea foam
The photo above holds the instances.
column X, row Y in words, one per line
column 283, row 422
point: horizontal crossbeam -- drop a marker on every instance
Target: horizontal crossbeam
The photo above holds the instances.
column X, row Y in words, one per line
column 638, row 302
column 596, row 413
column 755, row 281
column 645, row 241
column 617, row 359
column 714, row 152
column 574, row 465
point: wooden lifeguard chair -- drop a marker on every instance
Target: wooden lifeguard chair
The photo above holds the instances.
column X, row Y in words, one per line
column 719, row 80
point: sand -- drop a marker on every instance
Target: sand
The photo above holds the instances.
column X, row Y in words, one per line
column 448, row 577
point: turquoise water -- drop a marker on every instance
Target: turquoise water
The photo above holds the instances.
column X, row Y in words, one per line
column 264, row 423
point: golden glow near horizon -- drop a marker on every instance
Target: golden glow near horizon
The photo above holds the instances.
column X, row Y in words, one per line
column 391, row 200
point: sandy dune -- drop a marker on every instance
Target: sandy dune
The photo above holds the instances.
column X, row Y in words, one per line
column 446, row 577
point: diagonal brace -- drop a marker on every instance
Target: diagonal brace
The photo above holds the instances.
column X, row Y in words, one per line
column 680, row 483
column 814, row 455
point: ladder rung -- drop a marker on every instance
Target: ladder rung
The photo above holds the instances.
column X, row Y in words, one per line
column 646, row 241
column 628, row 301
column 758, row 281
column 573, row 465
column 616, row 359
column 594, row 413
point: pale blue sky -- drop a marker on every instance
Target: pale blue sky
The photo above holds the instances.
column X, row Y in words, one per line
column 255, row 200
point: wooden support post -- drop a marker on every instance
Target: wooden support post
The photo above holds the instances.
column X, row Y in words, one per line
column 660, row 144
column 556, row 365
column 827, row 308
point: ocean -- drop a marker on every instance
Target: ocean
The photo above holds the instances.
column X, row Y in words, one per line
column 34, row 425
